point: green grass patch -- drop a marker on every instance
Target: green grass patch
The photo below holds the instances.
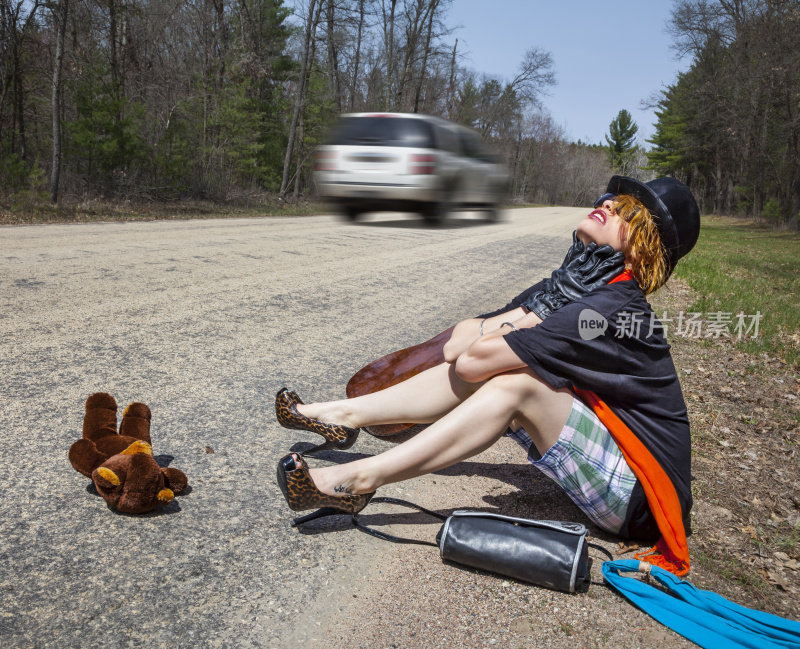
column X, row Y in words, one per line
column 739, row 267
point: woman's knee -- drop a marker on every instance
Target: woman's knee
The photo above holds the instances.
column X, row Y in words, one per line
column 449, row 351
column 463, row 333
column 520, row 385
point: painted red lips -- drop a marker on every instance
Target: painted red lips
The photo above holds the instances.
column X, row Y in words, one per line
column 599, row 216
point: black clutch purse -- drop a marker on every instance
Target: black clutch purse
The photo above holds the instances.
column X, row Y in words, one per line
column 552, row 554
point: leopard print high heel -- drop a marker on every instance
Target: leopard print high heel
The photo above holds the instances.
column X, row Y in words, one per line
column 301, row 493
column 336, row 436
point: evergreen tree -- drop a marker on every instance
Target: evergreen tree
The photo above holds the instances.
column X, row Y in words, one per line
column 251, row 106
column 672, row 154
column 104, row 141
column 621, row 140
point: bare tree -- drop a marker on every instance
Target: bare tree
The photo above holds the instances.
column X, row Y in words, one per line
column 534, row 76
column 426, row 52
column 17, row 19
column 451, row 84
column 60, row 13
column 311, row 24
column 388, row 49
column 334, row 80
column 357, row 60
column 414, row 21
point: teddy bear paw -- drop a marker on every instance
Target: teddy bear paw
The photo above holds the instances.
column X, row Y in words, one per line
column 138, row 447
column 165, row 496
column 108, row 476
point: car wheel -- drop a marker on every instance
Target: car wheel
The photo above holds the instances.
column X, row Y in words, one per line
column 493, row 210
column 493, row 213
column 430, row 212
column 351, row 213
column 438, row 210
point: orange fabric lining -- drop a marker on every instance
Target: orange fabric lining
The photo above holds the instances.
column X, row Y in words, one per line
column 671, row 551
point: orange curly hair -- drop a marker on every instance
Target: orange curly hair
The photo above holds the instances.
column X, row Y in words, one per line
column 643, row 247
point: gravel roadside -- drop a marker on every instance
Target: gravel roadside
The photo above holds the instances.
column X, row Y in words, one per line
column 407, row 597
column 204, row 321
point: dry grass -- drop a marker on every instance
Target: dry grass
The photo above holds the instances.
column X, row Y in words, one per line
column 25, row 209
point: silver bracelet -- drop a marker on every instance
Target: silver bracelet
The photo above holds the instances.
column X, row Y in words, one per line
column 510, row 325
column 482, row 321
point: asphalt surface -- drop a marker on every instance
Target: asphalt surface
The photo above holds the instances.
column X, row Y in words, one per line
column 204, row 321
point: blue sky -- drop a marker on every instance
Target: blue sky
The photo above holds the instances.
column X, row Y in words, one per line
column 607, row 54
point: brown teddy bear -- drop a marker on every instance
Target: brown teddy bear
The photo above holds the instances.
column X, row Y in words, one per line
column 121, row 464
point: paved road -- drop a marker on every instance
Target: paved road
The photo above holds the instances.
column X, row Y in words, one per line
column 204, row 321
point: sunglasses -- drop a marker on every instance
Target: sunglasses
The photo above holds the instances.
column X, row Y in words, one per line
column 603, row 199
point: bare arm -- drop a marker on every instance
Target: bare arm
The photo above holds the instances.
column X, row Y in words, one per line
column 468, row 331
column 489, row 354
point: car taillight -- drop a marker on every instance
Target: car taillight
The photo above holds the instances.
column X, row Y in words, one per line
column 325, row 160
column 422, row 164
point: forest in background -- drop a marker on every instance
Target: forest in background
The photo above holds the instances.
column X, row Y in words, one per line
column 157, row 100
column 730, row 125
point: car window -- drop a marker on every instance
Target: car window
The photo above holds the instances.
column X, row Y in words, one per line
column 448, row 140
column 384, row 131
column 471, row 144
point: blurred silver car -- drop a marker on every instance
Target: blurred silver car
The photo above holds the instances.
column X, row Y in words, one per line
column 407, row 162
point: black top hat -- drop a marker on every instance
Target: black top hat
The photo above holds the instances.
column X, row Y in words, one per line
column 673, row 207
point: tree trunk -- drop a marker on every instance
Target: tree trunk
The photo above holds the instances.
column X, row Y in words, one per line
column 424, row 68
column 358, row 54
column 298, row 100
column 61, row 22
column 221, row 33
column 18, row 124
column 388, row 44
column 451, row 86
column 12, row 15
column 300, row 148
column 413, row 28
column 333, row 56
column 5, row 81
column 112, row 42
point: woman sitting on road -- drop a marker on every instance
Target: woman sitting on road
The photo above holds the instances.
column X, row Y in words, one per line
column 578, row 361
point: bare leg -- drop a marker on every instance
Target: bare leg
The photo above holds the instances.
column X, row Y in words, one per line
column 468, row 429
column 421, row 399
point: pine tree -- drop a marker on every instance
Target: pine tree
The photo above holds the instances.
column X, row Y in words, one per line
column 621, row 141
column 672, row 153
